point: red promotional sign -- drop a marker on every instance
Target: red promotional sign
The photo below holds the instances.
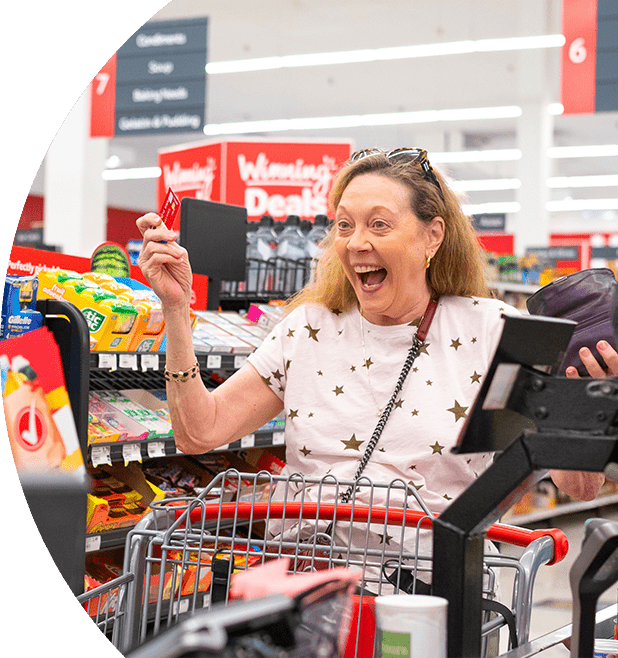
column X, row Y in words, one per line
column 274, row 178
column 103, row 101
column 578, row 59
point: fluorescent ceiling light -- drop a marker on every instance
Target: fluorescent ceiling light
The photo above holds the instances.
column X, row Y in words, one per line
column 485, row 185
column 385, row 54
column 582, row 204
column 582, row 151
column 131, row 174
column 494, row 207
column 562, row 182
column 555, row 108
column 357, row 120
column 490, row 155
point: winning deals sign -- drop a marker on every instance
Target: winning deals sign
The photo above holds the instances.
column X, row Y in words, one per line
column 273, row 178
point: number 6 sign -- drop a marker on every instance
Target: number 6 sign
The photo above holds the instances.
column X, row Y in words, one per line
column 578, row 60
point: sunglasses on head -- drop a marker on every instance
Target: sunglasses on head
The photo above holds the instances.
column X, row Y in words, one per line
column 405, row 154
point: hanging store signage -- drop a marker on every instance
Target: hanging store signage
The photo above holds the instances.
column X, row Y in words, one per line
column 274, row 178
column 554, row 253
column 155, row 83
column 489, row 222
column 589, row 60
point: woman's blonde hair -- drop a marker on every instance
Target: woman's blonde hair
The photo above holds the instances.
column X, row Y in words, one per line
column 457, row 268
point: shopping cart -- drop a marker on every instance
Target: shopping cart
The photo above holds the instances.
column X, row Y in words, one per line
column 106, row 606
column 185, row 552
column 278, row 278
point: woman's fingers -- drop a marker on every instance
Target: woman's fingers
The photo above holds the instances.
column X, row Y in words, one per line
column 571, row 372
column 591, row 364
column 610, row 356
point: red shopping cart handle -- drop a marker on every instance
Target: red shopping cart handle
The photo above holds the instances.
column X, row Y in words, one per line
column 310, row 511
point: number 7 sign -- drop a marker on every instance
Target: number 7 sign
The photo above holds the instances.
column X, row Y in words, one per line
column 103, row 101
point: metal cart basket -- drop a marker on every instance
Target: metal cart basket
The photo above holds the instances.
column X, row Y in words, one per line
column 183, row 554
column 106, row 606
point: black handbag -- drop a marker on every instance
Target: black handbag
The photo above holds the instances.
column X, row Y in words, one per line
column 590, row 298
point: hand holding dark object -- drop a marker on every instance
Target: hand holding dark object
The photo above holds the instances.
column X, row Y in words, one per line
column 164, row 262
column 594, row 368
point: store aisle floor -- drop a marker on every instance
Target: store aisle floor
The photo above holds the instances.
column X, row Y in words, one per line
column 552, row 607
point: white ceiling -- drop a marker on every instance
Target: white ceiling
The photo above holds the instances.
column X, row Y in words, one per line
column 241, row 29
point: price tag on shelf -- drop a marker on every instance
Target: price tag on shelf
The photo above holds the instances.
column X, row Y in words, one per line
column 239, row 361
column 278, row 438
column 131, row 452
column 109, row 361
column 213, row 361
column 150, row 361
column 247, row 441
column 100, row 455
column 156, row 449
column 93, row 543
column 128, row 361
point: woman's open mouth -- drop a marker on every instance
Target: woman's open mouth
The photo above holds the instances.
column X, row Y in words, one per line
column 371, row 276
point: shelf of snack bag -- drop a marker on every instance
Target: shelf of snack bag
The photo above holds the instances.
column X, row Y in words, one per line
column 545, row 502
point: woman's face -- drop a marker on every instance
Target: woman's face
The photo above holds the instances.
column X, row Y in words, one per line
column 383, row 248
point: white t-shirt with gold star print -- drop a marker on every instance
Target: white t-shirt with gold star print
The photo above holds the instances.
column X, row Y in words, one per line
column 333, row 380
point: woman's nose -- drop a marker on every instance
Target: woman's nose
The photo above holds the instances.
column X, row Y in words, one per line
column 359, row 241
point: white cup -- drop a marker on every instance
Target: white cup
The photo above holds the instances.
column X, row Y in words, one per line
column 605, row 648
column 411, row 626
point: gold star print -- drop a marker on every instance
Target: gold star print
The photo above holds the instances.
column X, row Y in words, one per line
column 476, row 378
column 267, row 381
column 475, row 302
column 287, row 365
column 313, row 333
column 337, row 311
column 473, row 340
column 436, row 447
column 456, row 344
column 415, row 323
column 416, row 486
column 353, row 368
column 352, row 443
column 399, row 403
column 277, row 375
column 340, row 332
column 320, row 373
column 293, row 413
column 413, row 467
column 429, row 382
column 447, row 497
column 368, row 363
column 291, row 333
column 338, row 390
column 305, row 451
column 415, row 369
column 385, row 539
column 415, row 412
column 310, row 414
column 423, row 349
column 381, row 449
column 459, row 411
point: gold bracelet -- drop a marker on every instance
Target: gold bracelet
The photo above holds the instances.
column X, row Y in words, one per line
column 182, row 375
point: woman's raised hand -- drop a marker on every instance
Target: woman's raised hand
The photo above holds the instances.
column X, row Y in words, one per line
column 592, row 365
column 163, row 262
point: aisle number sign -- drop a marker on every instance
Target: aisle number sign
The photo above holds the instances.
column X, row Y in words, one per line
column 589, row 61
column 155, row 83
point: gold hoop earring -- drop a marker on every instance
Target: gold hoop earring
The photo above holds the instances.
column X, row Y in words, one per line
column 427, row 262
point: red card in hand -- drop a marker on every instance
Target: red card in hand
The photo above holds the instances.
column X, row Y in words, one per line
column 169, row 209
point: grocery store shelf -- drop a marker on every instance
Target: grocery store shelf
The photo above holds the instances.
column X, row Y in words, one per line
column 155, row 361
column 561, row 510
column 128, row 451
column 507, row 286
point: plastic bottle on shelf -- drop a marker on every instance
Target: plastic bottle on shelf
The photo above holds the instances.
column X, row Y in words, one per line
column 260, row 250
column 293, row 248
column 316, row 235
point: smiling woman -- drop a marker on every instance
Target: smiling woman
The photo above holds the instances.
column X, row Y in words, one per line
column 396, row 327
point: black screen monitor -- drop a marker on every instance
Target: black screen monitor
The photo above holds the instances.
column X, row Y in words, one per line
column 214, row 234
column 533, row 341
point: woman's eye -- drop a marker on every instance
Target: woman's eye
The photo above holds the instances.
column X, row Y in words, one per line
column 343, row 225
